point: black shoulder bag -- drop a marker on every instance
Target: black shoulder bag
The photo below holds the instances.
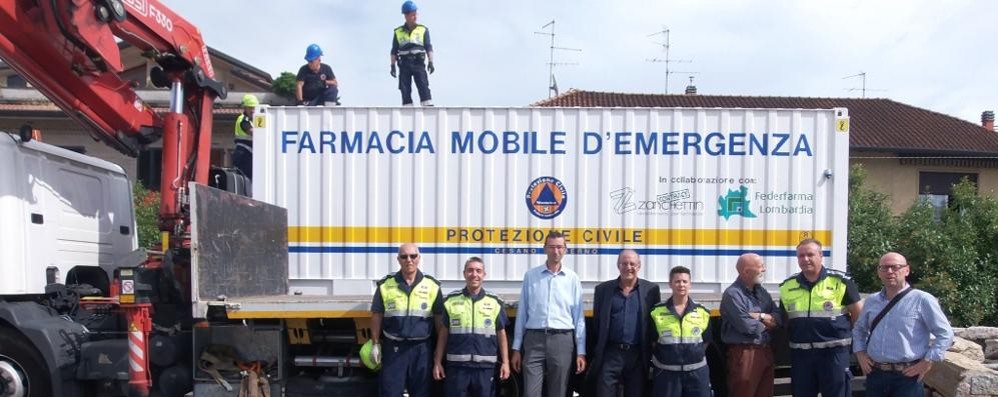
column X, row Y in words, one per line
column 890, row 305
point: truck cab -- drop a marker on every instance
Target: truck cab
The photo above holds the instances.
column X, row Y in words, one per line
column 67, row 217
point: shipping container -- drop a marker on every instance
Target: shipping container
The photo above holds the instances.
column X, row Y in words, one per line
column 683, row 186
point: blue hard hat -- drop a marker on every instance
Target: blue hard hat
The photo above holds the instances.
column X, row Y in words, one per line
column 408, row 7
column 312, row 52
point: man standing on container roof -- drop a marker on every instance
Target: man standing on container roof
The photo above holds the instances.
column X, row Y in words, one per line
column 892, row 336
column 406, row 306
column 820, row 306
column 411, row 47
column 549, row 324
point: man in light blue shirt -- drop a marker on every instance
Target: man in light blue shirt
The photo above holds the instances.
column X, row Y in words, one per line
column 549, row 324
column 896, row 354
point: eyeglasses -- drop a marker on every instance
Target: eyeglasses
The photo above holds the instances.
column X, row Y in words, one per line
column 893, row 268
column 402, row 257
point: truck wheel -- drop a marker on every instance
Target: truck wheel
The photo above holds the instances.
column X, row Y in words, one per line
column 22, row 370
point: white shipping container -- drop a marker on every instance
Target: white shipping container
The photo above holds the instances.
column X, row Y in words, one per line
column 683, row 186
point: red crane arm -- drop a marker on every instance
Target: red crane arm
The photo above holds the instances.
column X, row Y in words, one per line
column 68, row 50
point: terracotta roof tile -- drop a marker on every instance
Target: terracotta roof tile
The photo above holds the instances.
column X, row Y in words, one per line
column 875, row 124
column 49, row 107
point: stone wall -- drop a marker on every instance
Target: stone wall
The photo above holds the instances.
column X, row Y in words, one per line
column 970, row 366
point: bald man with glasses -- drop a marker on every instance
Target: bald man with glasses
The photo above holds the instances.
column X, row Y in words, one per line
column 406, row 306
column 891, row 338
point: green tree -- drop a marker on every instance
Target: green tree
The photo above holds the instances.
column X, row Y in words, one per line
column 951, row 257
column 146, row 205
column 284, row 85
column 872, row 230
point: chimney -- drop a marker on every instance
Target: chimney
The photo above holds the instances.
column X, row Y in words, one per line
column 988, row 120
column 692, row 89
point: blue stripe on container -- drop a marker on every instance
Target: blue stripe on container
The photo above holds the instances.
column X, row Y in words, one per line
column 298, row 249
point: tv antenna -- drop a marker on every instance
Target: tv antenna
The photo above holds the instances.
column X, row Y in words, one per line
column 552, row 83
column 862, row 89
column 667, row 61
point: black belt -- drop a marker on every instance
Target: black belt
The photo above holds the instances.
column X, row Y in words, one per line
column 893, row 367
column 551, row 331
column 623, row 346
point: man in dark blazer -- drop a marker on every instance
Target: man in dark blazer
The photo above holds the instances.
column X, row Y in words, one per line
column 622, row 330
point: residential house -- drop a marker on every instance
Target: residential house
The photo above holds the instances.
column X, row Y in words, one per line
column 908, row 152
column 21, row 104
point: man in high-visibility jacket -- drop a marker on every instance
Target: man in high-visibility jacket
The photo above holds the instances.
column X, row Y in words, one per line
column 473, row 336
column 242, row 156
column 681, row 335
column 411, row 49
column 406, row 306
column 819, row 307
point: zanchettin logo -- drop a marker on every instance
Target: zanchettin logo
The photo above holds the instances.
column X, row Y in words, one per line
column 546, row 197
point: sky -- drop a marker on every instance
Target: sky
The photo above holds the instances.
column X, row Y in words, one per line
column 937, row 55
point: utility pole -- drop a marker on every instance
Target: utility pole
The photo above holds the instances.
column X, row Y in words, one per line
column 667, row 61
column 552, row 83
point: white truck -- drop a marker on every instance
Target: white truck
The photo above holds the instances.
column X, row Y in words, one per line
column 683, row 186
column 290, row 288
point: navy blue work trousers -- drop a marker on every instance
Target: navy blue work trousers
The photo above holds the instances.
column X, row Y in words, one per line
column 242, row 159
column 466, row 381
column 413, row 69
column 330, row 94
column 695, row 383
column 405, row 366
column 824, row 371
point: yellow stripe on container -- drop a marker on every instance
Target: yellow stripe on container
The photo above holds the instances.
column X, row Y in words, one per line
column 534, row 236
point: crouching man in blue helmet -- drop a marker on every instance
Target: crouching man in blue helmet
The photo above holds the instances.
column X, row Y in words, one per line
column 317, row 84
column 411, row 48
column 473, row 336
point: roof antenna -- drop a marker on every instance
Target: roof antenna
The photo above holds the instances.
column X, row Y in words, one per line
column 667, row 61
column 552, row 83
column 863, row 89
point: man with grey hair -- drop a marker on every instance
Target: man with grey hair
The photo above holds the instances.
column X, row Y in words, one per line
column 622, row 330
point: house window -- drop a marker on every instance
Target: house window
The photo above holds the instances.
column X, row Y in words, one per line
column 15, row 81
column 150, row 165
column 936, row 188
